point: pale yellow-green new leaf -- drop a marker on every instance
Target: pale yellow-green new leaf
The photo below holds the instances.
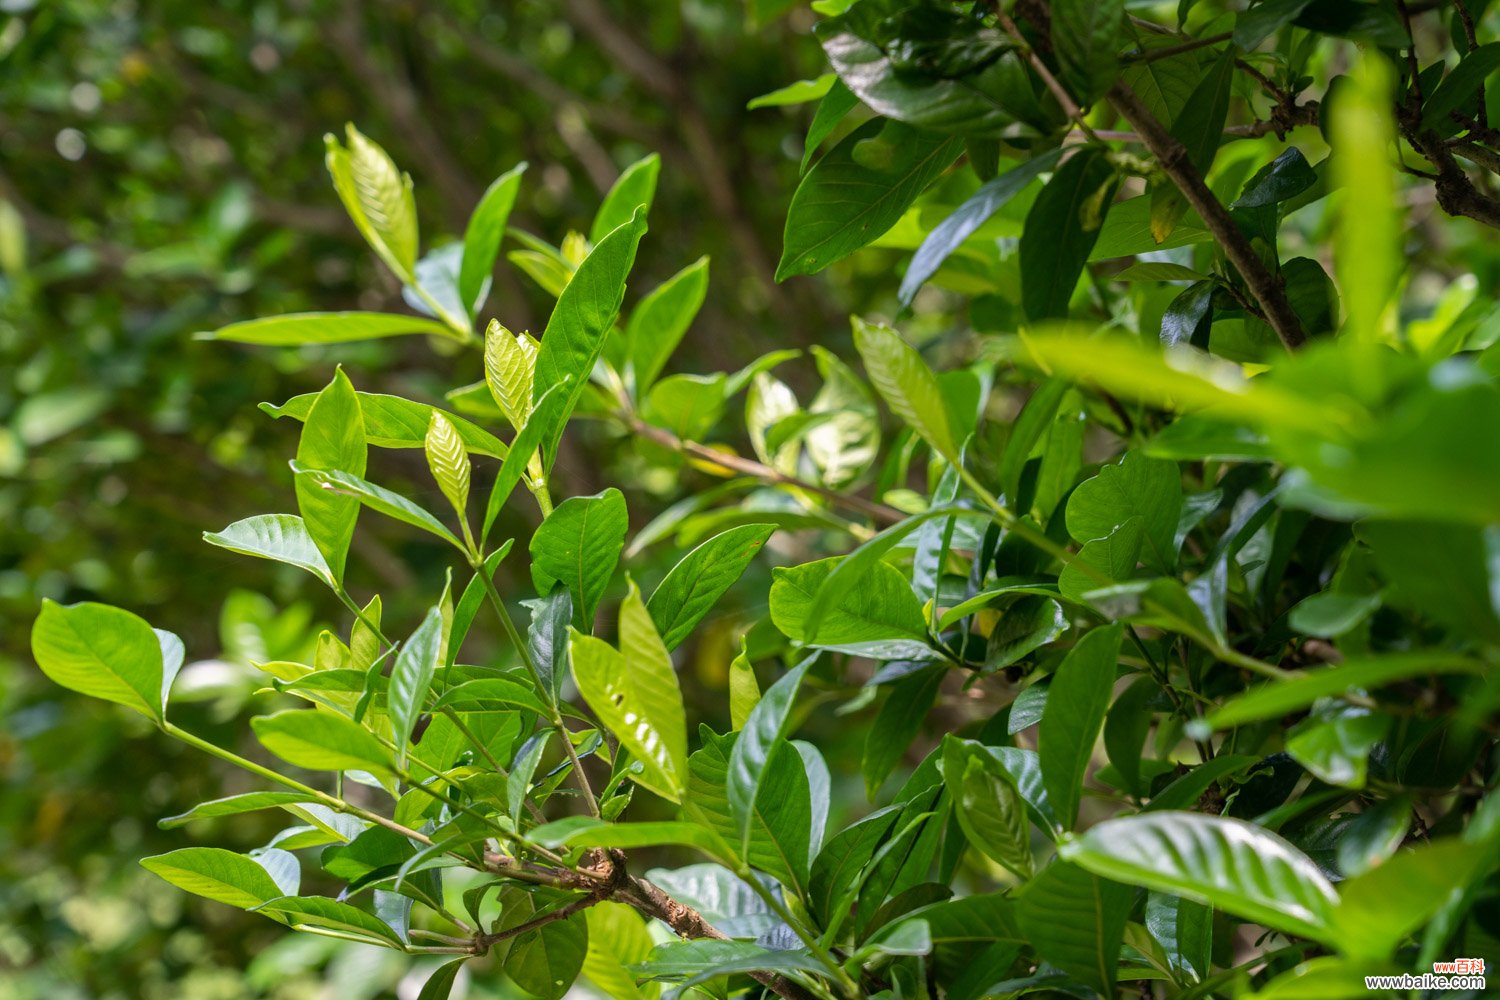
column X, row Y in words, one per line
column 634, row 693
column 618, row 939
column 509, row 371
column 907, row 384
column 378, row 197
column 449, row 461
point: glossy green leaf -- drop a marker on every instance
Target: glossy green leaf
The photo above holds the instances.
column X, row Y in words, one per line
column 779, row 840
column 217, row 874
column 988, row 804
column 1460, row 87
column 1086, row 37
column 579, row 545
column 279, row 537
column 1114, row 557
column 483, row 234
column 1263, row 20
column 320, row 741
column 635, row 695
column 1378, row 909
column 1076, row 704
column 292, row 329
column 393, row 422
column 907, row 385
column 1200, row 126
column 378, row 198
column 897, row 724
column 234, row 805
column 753, row 748
column 858, row 191
column 1240, row 868
column 966, row 219
column 1137, row 487
column 1184, row 929
column 584, row 314
column 439, row 985
column 881, row 618
column 546, row 961
column 696, row 583
column 448, row 461
column 1060, row 231
column 633, row 190
column 618, row 939
column 1076, row 920
column 377, row 498
column 411, row 677
column 332, row 438
column 1277, row 698
column 523, row 450
column 332, row 915
column 659, row 321
column 104, row 652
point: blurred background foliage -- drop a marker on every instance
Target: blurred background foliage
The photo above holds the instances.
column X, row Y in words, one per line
column 161, row 174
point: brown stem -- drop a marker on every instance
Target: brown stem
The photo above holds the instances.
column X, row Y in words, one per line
column 1151, row 55
column 1058, row 91
column 749, row 467
column 1175, row 162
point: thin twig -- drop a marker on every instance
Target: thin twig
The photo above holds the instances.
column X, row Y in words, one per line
column 1177, row 164
column 1058, row 91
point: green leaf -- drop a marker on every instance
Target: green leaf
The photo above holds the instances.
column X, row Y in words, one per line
column 1238, row 867
column 881, row 618
column 1125, row 731
column 753, row 748
column 1076, row 704
column 1200, row 126
column 1136, row 487
column 897, row 724
column 1159, row 271
column 377, row 498
column 1263, row 20
column 411, row 678
column 988, row 805
column 234, row 805
column 1277, row 698
column 585, row 831
column 658, row 321
column 1465, row 85
column 780, row 850
column 858, row 191
column 618, row 938
column 966, row 220
column 317, row 912
column 439, row 985
column 1184, row 929
column 448, row 461
column 907, row 385
column 801, row 92
column 393, row 422
column 217, row 874
column 695, row 584
column 333, row 437
column 483, row 234
column 546, row 961
column 1188, row 317
column 1280, row 180
column 634, row 693
column 320, row 741
column 634, row 190
column 523, row 449
column 104, row 652
column 932, row 69
column 744, row 690
column 1076, row 921
column 1060, row 231
column 1335, row 746
column 1114, row 556
column 579, row 545
column 377, row 197
column 1368, row 242
column 279, row 537
column 1086, row 39
column 510, row 371
column 325, row 328
column 490, row 694
column 832, row 109
column 1378, row 909
column 583, row 316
